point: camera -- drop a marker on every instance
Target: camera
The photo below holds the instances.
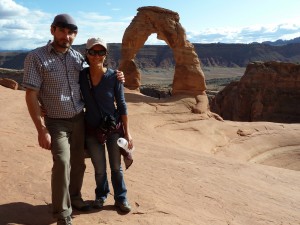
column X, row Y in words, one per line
column 107, row 123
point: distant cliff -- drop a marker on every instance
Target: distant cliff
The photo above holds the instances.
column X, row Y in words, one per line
column 267, row 91
column 161, row 56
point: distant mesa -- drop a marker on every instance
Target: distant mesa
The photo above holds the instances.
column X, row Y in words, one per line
column 161, row 56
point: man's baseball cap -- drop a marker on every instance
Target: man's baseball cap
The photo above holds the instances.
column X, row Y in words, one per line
column 64, row 21
column 95, row 41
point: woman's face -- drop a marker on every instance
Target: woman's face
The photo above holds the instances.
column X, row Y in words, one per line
column 96, row 54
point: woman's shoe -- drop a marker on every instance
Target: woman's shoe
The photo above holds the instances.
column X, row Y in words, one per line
column 124, row 206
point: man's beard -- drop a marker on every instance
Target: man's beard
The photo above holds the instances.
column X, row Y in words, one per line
column 62, row 44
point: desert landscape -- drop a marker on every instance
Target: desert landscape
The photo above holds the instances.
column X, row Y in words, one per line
column 188, row 168
column 159, row 80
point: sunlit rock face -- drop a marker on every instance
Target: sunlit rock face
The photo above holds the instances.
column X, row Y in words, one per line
column 268, row 91
column 9, row 83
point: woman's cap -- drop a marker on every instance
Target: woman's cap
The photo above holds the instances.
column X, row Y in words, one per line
column 64, row 21
column 95, row 41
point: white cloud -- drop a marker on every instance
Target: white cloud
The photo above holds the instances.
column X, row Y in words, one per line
column 152, row 40
column 290, row 36
column 15, row 25
column 21, row 28
column 247, row 34
column 9, row 8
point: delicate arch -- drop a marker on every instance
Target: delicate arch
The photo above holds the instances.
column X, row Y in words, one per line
column 188, row 75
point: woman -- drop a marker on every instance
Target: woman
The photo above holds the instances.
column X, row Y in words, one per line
column 100, row 90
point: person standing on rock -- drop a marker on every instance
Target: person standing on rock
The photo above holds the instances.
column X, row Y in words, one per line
column 101, row 90
column 51, row 76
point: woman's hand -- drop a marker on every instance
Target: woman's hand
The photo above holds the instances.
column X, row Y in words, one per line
column 130, row 140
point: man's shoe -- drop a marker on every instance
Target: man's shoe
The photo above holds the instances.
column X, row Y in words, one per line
column 124, row 206
column 98, row 203
column 65, row 221
column 80, row 205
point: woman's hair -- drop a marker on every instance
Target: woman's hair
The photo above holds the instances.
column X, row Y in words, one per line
column 87, row 60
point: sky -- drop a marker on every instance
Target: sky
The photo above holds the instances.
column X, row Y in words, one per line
column 25, row 24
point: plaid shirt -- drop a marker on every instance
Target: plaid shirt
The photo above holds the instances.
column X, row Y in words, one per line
column 56, row 77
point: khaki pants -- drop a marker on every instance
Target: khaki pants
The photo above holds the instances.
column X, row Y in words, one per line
column 67, row 147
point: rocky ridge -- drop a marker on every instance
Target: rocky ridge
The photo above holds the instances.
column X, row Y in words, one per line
column 268, row 91
column 161, row 56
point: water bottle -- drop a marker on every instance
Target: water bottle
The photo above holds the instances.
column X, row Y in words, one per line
column 123, row 143
column 127, row 154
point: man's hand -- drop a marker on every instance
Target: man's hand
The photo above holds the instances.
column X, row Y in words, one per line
column 120, row 76
column 34, row 109
column 44, row 138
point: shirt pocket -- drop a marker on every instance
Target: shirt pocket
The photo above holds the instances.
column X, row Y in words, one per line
column 54, row 75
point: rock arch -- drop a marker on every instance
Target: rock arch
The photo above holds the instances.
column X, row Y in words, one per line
column 188, row 77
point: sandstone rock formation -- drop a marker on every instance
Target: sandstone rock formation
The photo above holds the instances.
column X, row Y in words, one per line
column 188, row 77
column 267, row 91
column 9, row 83
column 187, row 170
column 11, row 78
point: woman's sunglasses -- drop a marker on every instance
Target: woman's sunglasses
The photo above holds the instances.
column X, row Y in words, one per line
column 96, row 52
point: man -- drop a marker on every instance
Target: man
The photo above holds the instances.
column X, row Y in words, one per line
column 51, row 76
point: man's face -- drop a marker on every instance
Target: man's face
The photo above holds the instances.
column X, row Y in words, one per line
column 63, row 37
